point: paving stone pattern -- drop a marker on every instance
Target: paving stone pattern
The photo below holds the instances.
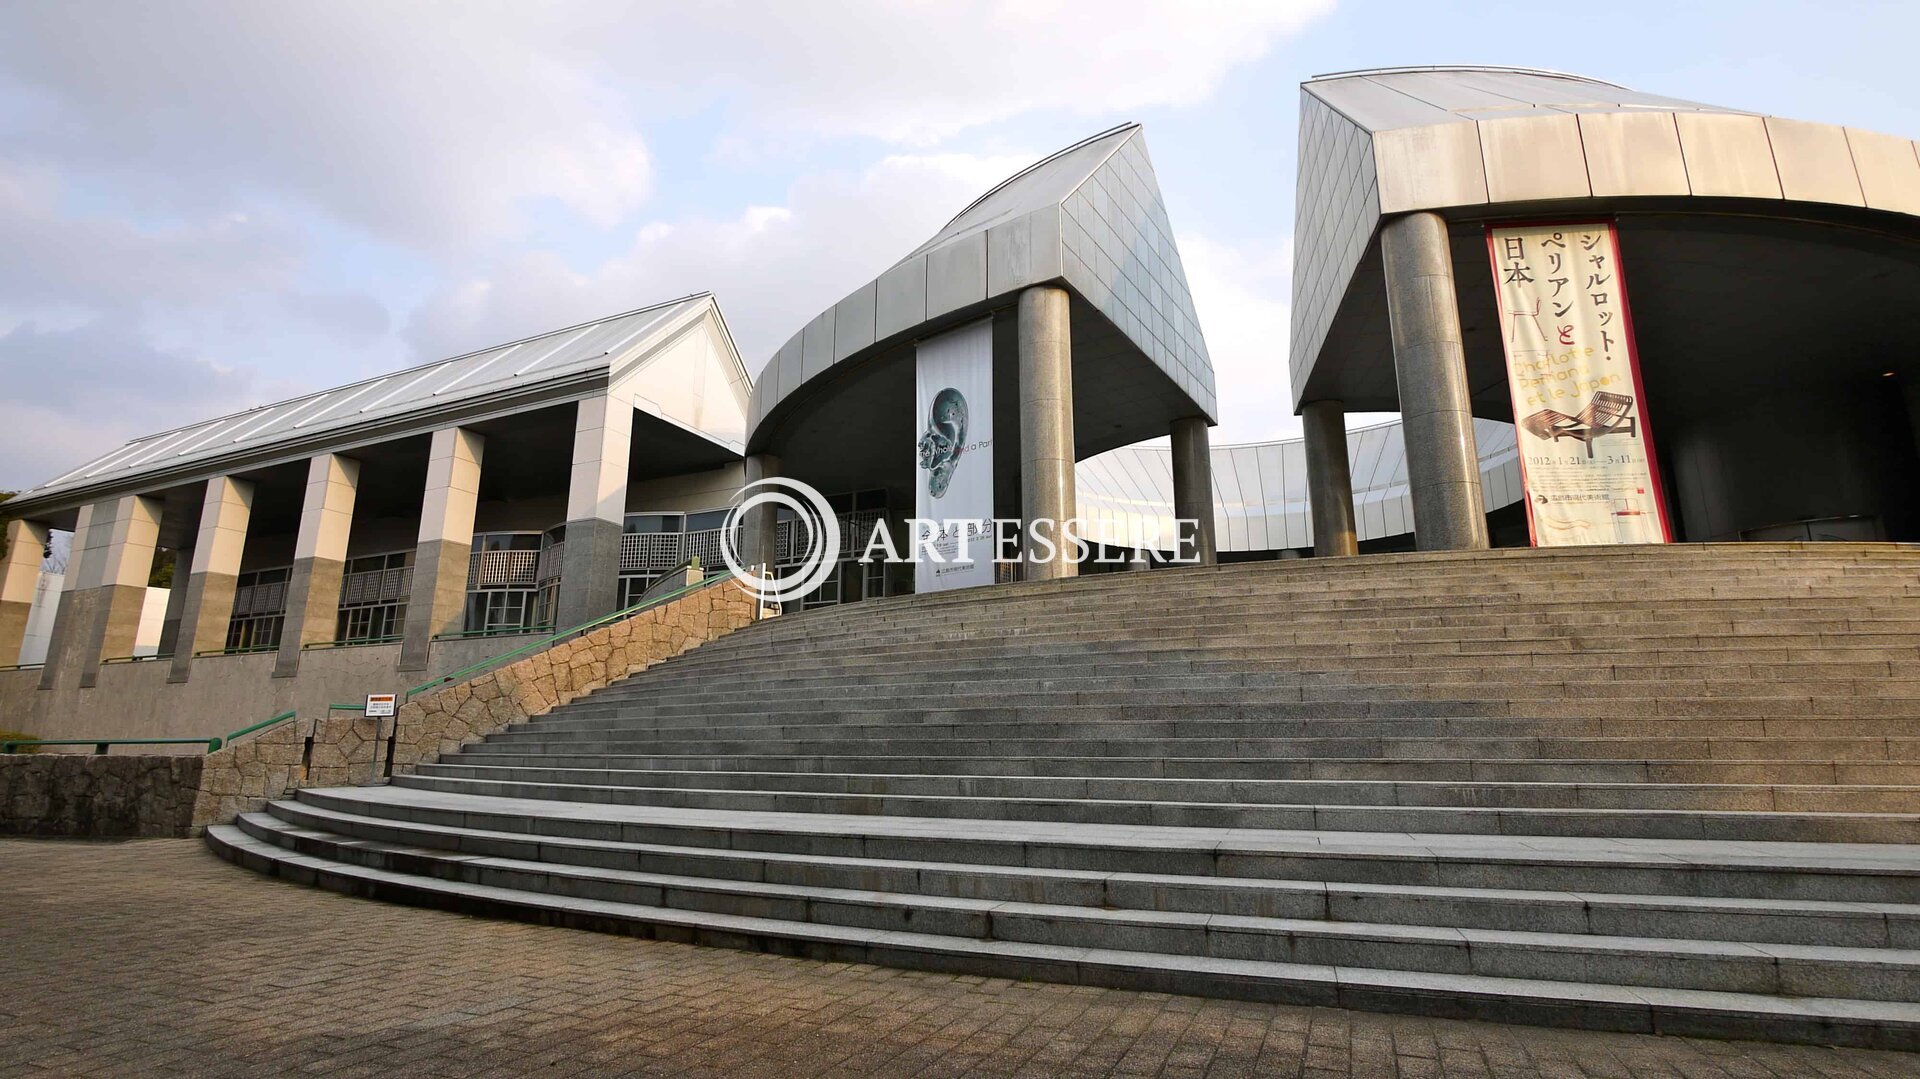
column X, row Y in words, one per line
column 153, row 958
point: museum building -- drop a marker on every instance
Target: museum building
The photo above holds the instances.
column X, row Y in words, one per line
column 399, row 527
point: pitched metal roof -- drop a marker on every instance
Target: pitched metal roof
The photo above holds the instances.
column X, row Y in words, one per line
column 547, row 359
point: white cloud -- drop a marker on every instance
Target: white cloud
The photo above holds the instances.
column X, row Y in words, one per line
column 420, row 123
column 773, row 267
column 917, row 72
column 1240, row 293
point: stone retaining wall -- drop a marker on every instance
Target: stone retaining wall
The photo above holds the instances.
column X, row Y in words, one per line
column 97, row 797
column 343, row 747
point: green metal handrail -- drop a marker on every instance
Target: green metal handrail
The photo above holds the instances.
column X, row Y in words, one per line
column 249, row 650
column 137, row 659
column 532, row 646
column 352, row 642
column 260, row 726
column 22, row 667
column 498, row 631
column 214, row 743
column 100, row 744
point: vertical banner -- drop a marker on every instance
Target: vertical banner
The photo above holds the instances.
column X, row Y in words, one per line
column 1586, row 457
column 954, row 458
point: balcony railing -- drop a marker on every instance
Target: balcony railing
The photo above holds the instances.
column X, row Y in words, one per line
column 503, row 569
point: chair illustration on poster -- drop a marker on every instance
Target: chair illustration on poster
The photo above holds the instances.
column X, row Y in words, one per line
column 1605, row 414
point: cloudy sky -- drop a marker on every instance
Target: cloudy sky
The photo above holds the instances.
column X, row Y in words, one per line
column 206, row 206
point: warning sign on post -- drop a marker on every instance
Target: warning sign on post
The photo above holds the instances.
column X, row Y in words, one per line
column 381, row 705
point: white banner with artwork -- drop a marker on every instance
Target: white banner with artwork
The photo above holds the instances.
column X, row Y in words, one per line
column 1586, row 457
column 953, row 400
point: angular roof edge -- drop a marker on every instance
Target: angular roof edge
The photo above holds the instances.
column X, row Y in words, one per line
column 578, row 355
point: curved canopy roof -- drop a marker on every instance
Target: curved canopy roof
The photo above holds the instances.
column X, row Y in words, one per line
column 1491, row 143
column 1260, row 488
column 1090, row 216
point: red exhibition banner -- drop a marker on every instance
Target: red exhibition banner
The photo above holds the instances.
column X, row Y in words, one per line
column 1586, row 456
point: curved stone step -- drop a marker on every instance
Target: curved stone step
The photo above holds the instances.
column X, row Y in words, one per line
column 1592, row 911
column 1850, row 1022
column 1831, row 772
column 1673, row 963
column 1485, row 794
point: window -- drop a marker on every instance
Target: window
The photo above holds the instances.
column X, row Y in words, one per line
column 259, row 609
column 644, row 523
column 503, row 582
column 373, row 597
column 632, row 586
column 507, row 610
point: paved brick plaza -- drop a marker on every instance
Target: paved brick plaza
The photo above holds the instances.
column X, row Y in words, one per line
column 154, row 958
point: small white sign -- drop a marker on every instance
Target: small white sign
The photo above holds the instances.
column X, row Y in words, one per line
column 381, row 705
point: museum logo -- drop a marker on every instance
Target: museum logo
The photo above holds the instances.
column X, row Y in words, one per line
column 814, row 548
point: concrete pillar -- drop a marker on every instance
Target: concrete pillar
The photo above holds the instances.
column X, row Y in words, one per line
column 19, row 576
column 64, row 635
column 116, row 558
column 596, row 509
column 445, row 547
column 757, row 545
column 319, row 559
column 1329, row 479
column 1046, row 423
column 176, row 602
column 1193, row 483
column 209, row 580
column 1443, row 467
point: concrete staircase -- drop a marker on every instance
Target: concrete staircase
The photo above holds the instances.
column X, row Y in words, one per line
column 1673, row 790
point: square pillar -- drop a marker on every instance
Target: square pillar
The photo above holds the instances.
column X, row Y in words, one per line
column 176, row 602
column 1193, row 487
column 1046, row 424
column 19, row 577
column 208, row 586
column 319, row 559
column 1430, row 368
column 64, row 635
column 596, row 509
column 445, row 547
column 113, row 583
column 1329, row 479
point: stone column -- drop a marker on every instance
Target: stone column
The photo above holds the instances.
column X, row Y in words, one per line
column 596, row 509
column 1443, row 467
column 1193, row 483
column 176, row 602
column 64, row 635
column 757, row 544
column 1046, row 423
column 209, row 580
column 123, row 533
column 19, row 577
column 445, row 548
column 1329, row 479
column 319, row 559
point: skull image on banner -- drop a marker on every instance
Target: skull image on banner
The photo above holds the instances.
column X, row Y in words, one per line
column 1586, row 456
column 954, row 455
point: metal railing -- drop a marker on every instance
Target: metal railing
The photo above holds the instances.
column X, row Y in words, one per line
column 100, row 744
column 503, row 569
column 353, row 642
column 215, row 742
column 492, row 631
column 546, row 642
column 248, row 650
